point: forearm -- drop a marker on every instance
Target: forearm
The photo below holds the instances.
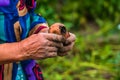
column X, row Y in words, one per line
column 36, row 46
column 10, row 52
column 18, row 51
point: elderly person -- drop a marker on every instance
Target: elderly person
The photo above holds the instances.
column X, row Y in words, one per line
column 22, row 41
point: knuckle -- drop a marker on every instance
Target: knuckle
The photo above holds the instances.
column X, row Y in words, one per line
column 45, row 42
column 52, row 54
column 56, row 49
column 46, row 48
column 46, row 54
column 48, row 43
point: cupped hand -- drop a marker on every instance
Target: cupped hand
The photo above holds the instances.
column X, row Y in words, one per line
column 42, row 45
column 67, row 45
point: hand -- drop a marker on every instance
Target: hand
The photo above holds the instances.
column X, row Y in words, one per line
column 41, row 45
column 67, row 46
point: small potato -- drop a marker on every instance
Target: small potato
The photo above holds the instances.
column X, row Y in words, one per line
column 59, row 28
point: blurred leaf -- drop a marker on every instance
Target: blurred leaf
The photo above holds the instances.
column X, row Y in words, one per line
column 95, row 55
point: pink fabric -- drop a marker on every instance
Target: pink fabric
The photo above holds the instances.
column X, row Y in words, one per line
column 30, row 4
column 22, row 5
column 38, row 72
column 39, row 29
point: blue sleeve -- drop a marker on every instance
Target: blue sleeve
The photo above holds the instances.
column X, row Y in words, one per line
column 36, row 19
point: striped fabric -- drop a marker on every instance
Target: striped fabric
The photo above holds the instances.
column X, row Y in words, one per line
column 1, row 71
column 18, row 21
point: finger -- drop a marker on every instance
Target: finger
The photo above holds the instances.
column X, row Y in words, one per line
column 51, row 54
column 62, row 54
column 70, row 39
column 54, row 44
column 55, row 37
column 66, row 48
column 51, row 49
column 45, row 55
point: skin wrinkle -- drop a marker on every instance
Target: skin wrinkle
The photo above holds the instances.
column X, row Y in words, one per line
column 57, row 44
column 25, row 49
column 53, row 49
column 33, row 47
column 35, row 54
column 55, row 38
column 33, row 50
column 30, row 50
column 52, row 54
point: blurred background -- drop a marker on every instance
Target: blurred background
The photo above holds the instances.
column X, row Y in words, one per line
column 96, row 24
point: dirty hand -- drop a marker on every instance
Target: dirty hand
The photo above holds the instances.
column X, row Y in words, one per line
column 42, row 45
column 60, row 29
column 67, row 45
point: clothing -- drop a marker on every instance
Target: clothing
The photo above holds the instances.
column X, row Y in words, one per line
column 18, row 21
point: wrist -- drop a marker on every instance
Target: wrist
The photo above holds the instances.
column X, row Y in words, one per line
column 27, row 47
column 23, row 54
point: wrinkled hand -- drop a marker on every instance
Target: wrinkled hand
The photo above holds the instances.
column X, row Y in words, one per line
column 43, row 45
column 67, row 45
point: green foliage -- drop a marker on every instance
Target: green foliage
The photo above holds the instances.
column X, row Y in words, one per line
column 96, row 54
column 75, row 13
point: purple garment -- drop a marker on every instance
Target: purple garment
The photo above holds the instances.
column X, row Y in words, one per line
column 32, row 70
column 29, row 72
column 4, row 2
